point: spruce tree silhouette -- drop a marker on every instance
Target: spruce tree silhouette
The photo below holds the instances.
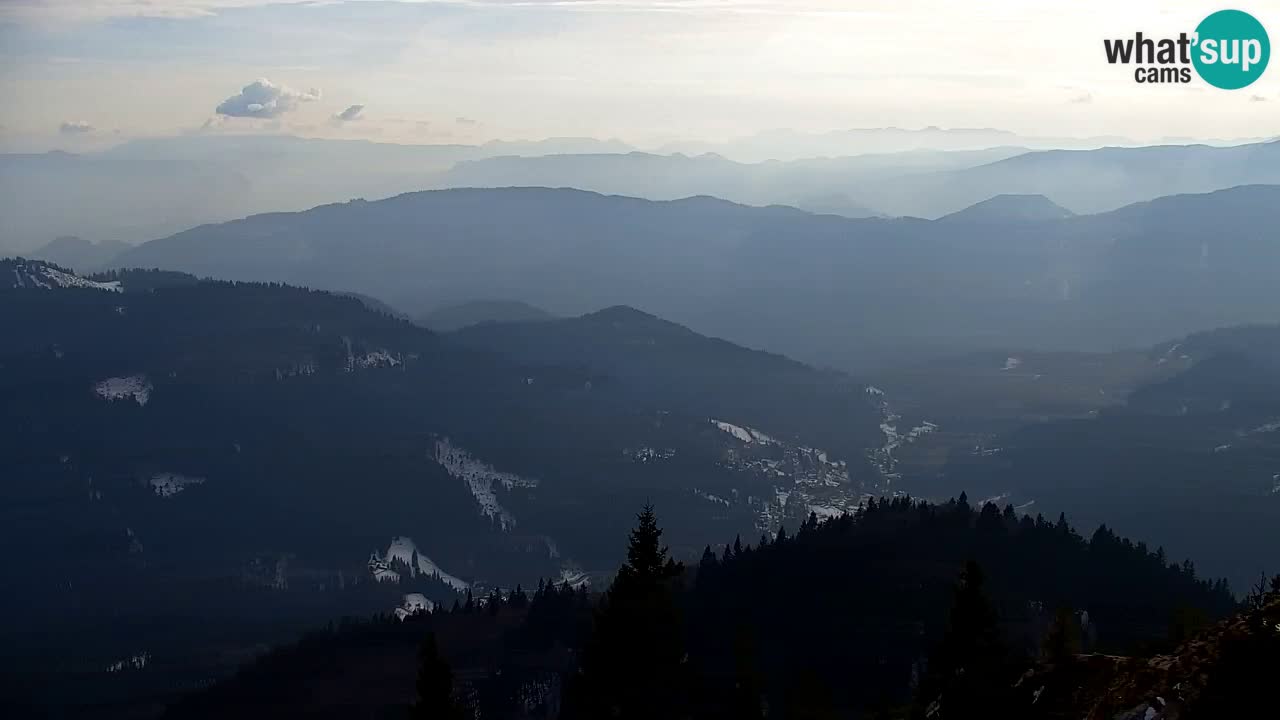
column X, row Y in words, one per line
column 435, row 685
column 633, row 665
column 968, row 670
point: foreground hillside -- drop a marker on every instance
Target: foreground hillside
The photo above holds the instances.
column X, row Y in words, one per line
column 853, row 617
column 266, row 457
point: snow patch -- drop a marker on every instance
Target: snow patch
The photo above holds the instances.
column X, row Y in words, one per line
column 1270, row 427
column 43, row 277
column 404, row 550
column 1011, row 363
column 648, row 454
column 119, row 388
column 133, row 662
column 166, row 485
column 412, row 604
column 711, row 498
column 575, row 577
column 745, row 434
column 826, row 512
column 378, row 359
column 481, row 478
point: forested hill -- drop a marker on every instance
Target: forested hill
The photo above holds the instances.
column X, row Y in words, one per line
column 1190, row 460
column 683, row 370
column 266, row 456
column 852, row 617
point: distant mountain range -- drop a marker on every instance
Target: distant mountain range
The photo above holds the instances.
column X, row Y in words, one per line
column 149, row 188
column 455, row 317
column 787, row 144
column 845, row 292
column 80, row 254
column 921, row 183
column 825, row 185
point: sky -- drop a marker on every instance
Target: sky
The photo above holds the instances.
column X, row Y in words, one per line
column 85, row 74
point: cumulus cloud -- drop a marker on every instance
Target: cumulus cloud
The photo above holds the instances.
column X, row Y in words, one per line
column 75, row 127
column 351, row 114
column 264, row 99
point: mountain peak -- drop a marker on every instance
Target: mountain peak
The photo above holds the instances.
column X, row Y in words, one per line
column 1011, row 207
column 622, row 313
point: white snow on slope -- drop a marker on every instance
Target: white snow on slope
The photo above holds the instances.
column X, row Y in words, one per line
column 574, row 576
column 711, row 498
column 166, row 485
column 1270, row 427
column 1012, row 363
column 648, row 454
column 118, row 388
column 135, row 662
column 826, row 512
column 745, row 434
column 404, row 550
column 883, row 456
column 412, row 604
column 481, row 479
column 43, row 277
column 377, row 359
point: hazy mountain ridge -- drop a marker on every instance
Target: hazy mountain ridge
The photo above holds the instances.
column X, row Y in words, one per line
column 789, row 144
column 1010, row 208
column 1086, row 181
column 456, row 317
column 1199, row 440
column 151, row 187
column 845, row 292
column 919, row 183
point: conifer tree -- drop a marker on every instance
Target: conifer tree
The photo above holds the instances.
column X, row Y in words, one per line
column 708, row 561
column 1062, row 641
column 434, row 684
column 967, row 671
column 633, row 664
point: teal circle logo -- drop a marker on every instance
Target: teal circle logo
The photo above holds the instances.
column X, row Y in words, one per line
column 1232, row 49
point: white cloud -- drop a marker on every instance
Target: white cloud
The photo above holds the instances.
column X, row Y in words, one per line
column 75, row 127
column 351, row 114
column 264, row 99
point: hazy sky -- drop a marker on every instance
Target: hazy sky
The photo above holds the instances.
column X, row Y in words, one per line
column 78, row 74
